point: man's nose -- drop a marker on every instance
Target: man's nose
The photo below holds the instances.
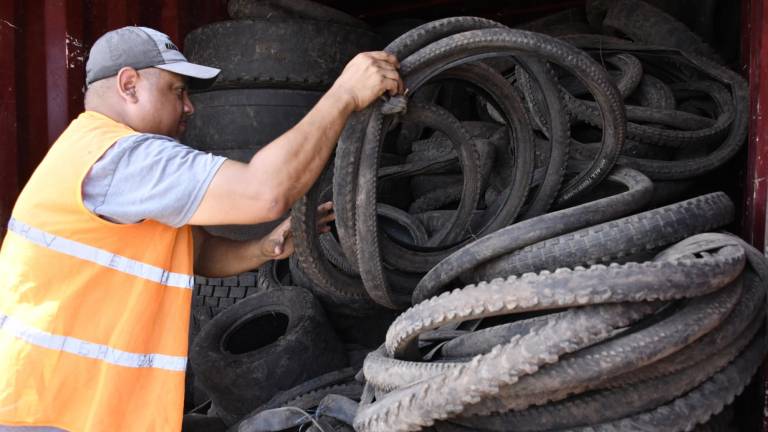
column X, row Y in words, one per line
column 189, row 108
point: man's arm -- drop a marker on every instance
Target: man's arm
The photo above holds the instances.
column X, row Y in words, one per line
column 220, row 257
column 283, row 171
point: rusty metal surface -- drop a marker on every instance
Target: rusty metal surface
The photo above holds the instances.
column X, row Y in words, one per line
column 757, row 158
column 754, row 47
column 65, row 63
column 9, row 33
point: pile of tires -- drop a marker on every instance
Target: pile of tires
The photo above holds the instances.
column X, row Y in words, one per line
column 567, row 344
column 477, row 148
column 522, row 237
column 495, row 173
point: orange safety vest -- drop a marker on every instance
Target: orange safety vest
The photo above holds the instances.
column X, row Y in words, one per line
column 93, row 315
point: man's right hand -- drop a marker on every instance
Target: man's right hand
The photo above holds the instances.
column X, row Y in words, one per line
column 368, row 76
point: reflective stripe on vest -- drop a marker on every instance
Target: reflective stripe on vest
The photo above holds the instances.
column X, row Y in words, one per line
column 87, row 349
column 94, row 316
column 100, row 256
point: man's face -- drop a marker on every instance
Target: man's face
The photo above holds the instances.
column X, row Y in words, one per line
column 164, row 105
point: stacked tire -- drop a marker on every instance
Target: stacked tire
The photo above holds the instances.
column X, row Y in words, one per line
column 274, row 68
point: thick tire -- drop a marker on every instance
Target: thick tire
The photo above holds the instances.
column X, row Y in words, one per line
column 270, row 342
column 237, row 122
column 213, row 295
column 290, row 53
column 306, row 9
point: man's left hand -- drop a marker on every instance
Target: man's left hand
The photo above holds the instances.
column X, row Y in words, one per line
column 279, row 243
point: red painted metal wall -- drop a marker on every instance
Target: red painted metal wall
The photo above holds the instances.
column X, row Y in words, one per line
column 9, row 178
column 755, row 49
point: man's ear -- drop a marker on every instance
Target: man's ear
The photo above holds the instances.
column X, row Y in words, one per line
column 127, row 78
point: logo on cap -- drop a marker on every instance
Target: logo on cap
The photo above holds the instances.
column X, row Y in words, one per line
column 169, row 45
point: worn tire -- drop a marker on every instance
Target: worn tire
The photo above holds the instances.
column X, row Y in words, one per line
column 612, row 240
column 271, row 341
column 307, row 9
column 290, row 53
column 235, row 123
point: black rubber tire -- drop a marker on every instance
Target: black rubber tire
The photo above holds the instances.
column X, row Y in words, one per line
column 436, row 199
column 284, row 53
column 424, row 184
column 322, row 382
column 610, row 405
column 612, row 240
column 211, row 296
column 685, row 66
column 699, row 405
column 653, row 93
column 292, row 343
column 536, row 229
column 500, row 213
column 350, row 143
column 338, row 289
column 202, row 423
column 520, row 140
column 369, row 258
column 565, row 22
column 307, row 394
column 237, row 122
column 691, row 130
column 645, row 23
column 548, row 110
column 627, row 77
column 473, row 45
column 446, row 394
column 306, row 9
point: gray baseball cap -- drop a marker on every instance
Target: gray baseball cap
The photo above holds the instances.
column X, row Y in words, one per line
column 139, row 48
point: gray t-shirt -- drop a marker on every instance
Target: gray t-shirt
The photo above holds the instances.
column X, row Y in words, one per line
column 149, row 176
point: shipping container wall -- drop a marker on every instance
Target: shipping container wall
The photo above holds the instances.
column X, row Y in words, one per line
column 44, row 43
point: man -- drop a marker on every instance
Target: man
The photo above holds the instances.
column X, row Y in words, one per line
column 97, row 264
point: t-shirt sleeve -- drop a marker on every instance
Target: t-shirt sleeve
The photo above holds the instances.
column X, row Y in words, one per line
column 149, row 177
